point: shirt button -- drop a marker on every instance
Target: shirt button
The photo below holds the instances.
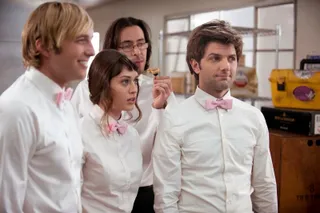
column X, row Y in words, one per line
column 229, row 201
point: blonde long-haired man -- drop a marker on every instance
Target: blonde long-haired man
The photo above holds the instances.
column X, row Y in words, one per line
column 40, row 143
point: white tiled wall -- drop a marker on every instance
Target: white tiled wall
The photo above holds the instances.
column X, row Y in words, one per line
column 12, row 18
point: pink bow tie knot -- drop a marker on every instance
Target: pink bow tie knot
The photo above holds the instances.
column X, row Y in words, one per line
column 224, row 104
column 116, row 127
column 62, row 96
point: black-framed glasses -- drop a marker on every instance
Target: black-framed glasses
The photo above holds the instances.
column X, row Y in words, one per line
column 129, row 47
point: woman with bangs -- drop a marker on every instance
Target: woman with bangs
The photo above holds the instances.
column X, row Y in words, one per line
column 112, row 167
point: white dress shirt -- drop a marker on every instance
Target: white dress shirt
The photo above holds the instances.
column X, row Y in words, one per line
column 146, row 127
column 112, row 167
column 40, row 149
column 213, row 161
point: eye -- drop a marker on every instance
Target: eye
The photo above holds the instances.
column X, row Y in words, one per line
column 216, row 58
column 136, row 81
column 126, row 46
column 140, row 44
column 81, row 40
column 232, row 58
column 125, row 82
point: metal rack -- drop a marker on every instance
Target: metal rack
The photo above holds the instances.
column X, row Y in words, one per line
column 244, row 31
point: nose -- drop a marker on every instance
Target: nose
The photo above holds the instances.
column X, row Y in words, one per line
column 133, row 88
column 136, row 50
column 89, row 49
column 225, row 64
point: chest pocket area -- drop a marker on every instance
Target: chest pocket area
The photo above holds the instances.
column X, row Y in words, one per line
column 242, row 148
column 125, row 167
column 54, row 145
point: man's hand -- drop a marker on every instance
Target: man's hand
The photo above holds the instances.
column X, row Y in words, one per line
column 161, row 90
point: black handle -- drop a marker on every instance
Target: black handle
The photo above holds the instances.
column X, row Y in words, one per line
column 303, row 62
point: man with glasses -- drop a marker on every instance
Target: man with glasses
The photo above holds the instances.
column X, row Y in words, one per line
column 131, row 36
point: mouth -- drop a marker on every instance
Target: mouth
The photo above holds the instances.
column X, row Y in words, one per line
column 131, row 100
column 84, row 63
column 138, row 62
column 224, row 77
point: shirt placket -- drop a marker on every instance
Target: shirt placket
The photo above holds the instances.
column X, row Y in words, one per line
column 226, row 176
column 125, row 169
column 73, row 165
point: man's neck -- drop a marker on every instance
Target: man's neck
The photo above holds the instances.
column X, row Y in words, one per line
column 215, row 93
column 47, row 72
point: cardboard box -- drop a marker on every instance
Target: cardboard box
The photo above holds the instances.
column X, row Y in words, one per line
column 242, row 61
column 296, row 160
column 183, row 83
column 178, row 85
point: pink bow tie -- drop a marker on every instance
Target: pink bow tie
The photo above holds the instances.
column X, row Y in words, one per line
column 62, row 96
column 116, row 127
column 224, row 104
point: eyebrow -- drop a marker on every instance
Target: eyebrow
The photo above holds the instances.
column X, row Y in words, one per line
column 216, row 54
column 127, row 76
column 84, row 36
column 129, row 41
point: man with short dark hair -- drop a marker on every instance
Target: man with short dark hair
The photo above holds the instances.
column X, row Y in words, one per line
column 211, row 153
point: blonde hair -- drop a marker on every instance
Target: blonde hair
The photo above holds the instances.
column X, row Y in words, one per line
column 52, row 23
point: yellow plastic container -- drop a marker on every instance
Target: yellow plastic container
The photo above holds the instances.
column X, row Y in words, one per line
column 295, row 88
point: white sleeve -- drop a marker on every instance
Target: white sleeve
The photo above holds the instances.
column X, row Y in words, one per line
column 172, row 101
column 19, row 131
column 138, row 142
column 264, row 197
column 157, row 114
column 167, row 168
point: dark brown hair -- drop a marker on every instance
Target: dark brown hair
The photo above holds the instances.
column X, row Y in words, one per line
column 106, row 65
column 112, row 36
column 214, row 31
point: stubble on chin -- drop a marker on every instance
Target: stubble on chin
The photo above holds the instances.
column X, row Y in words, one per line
column 221, row 86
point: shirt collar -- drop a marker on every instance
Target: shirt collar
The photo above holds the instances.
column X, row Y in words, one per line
column 201, row 97
column 97, row 113
column 47, row 87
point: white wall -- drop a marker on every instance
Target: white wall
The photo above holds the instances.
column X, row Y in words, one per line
column 308, row 29
column 154, row 12
column 12, row 18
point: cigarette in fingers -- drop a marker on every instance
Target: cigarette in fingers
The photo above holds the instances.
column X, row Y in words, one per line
column 154, row 71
